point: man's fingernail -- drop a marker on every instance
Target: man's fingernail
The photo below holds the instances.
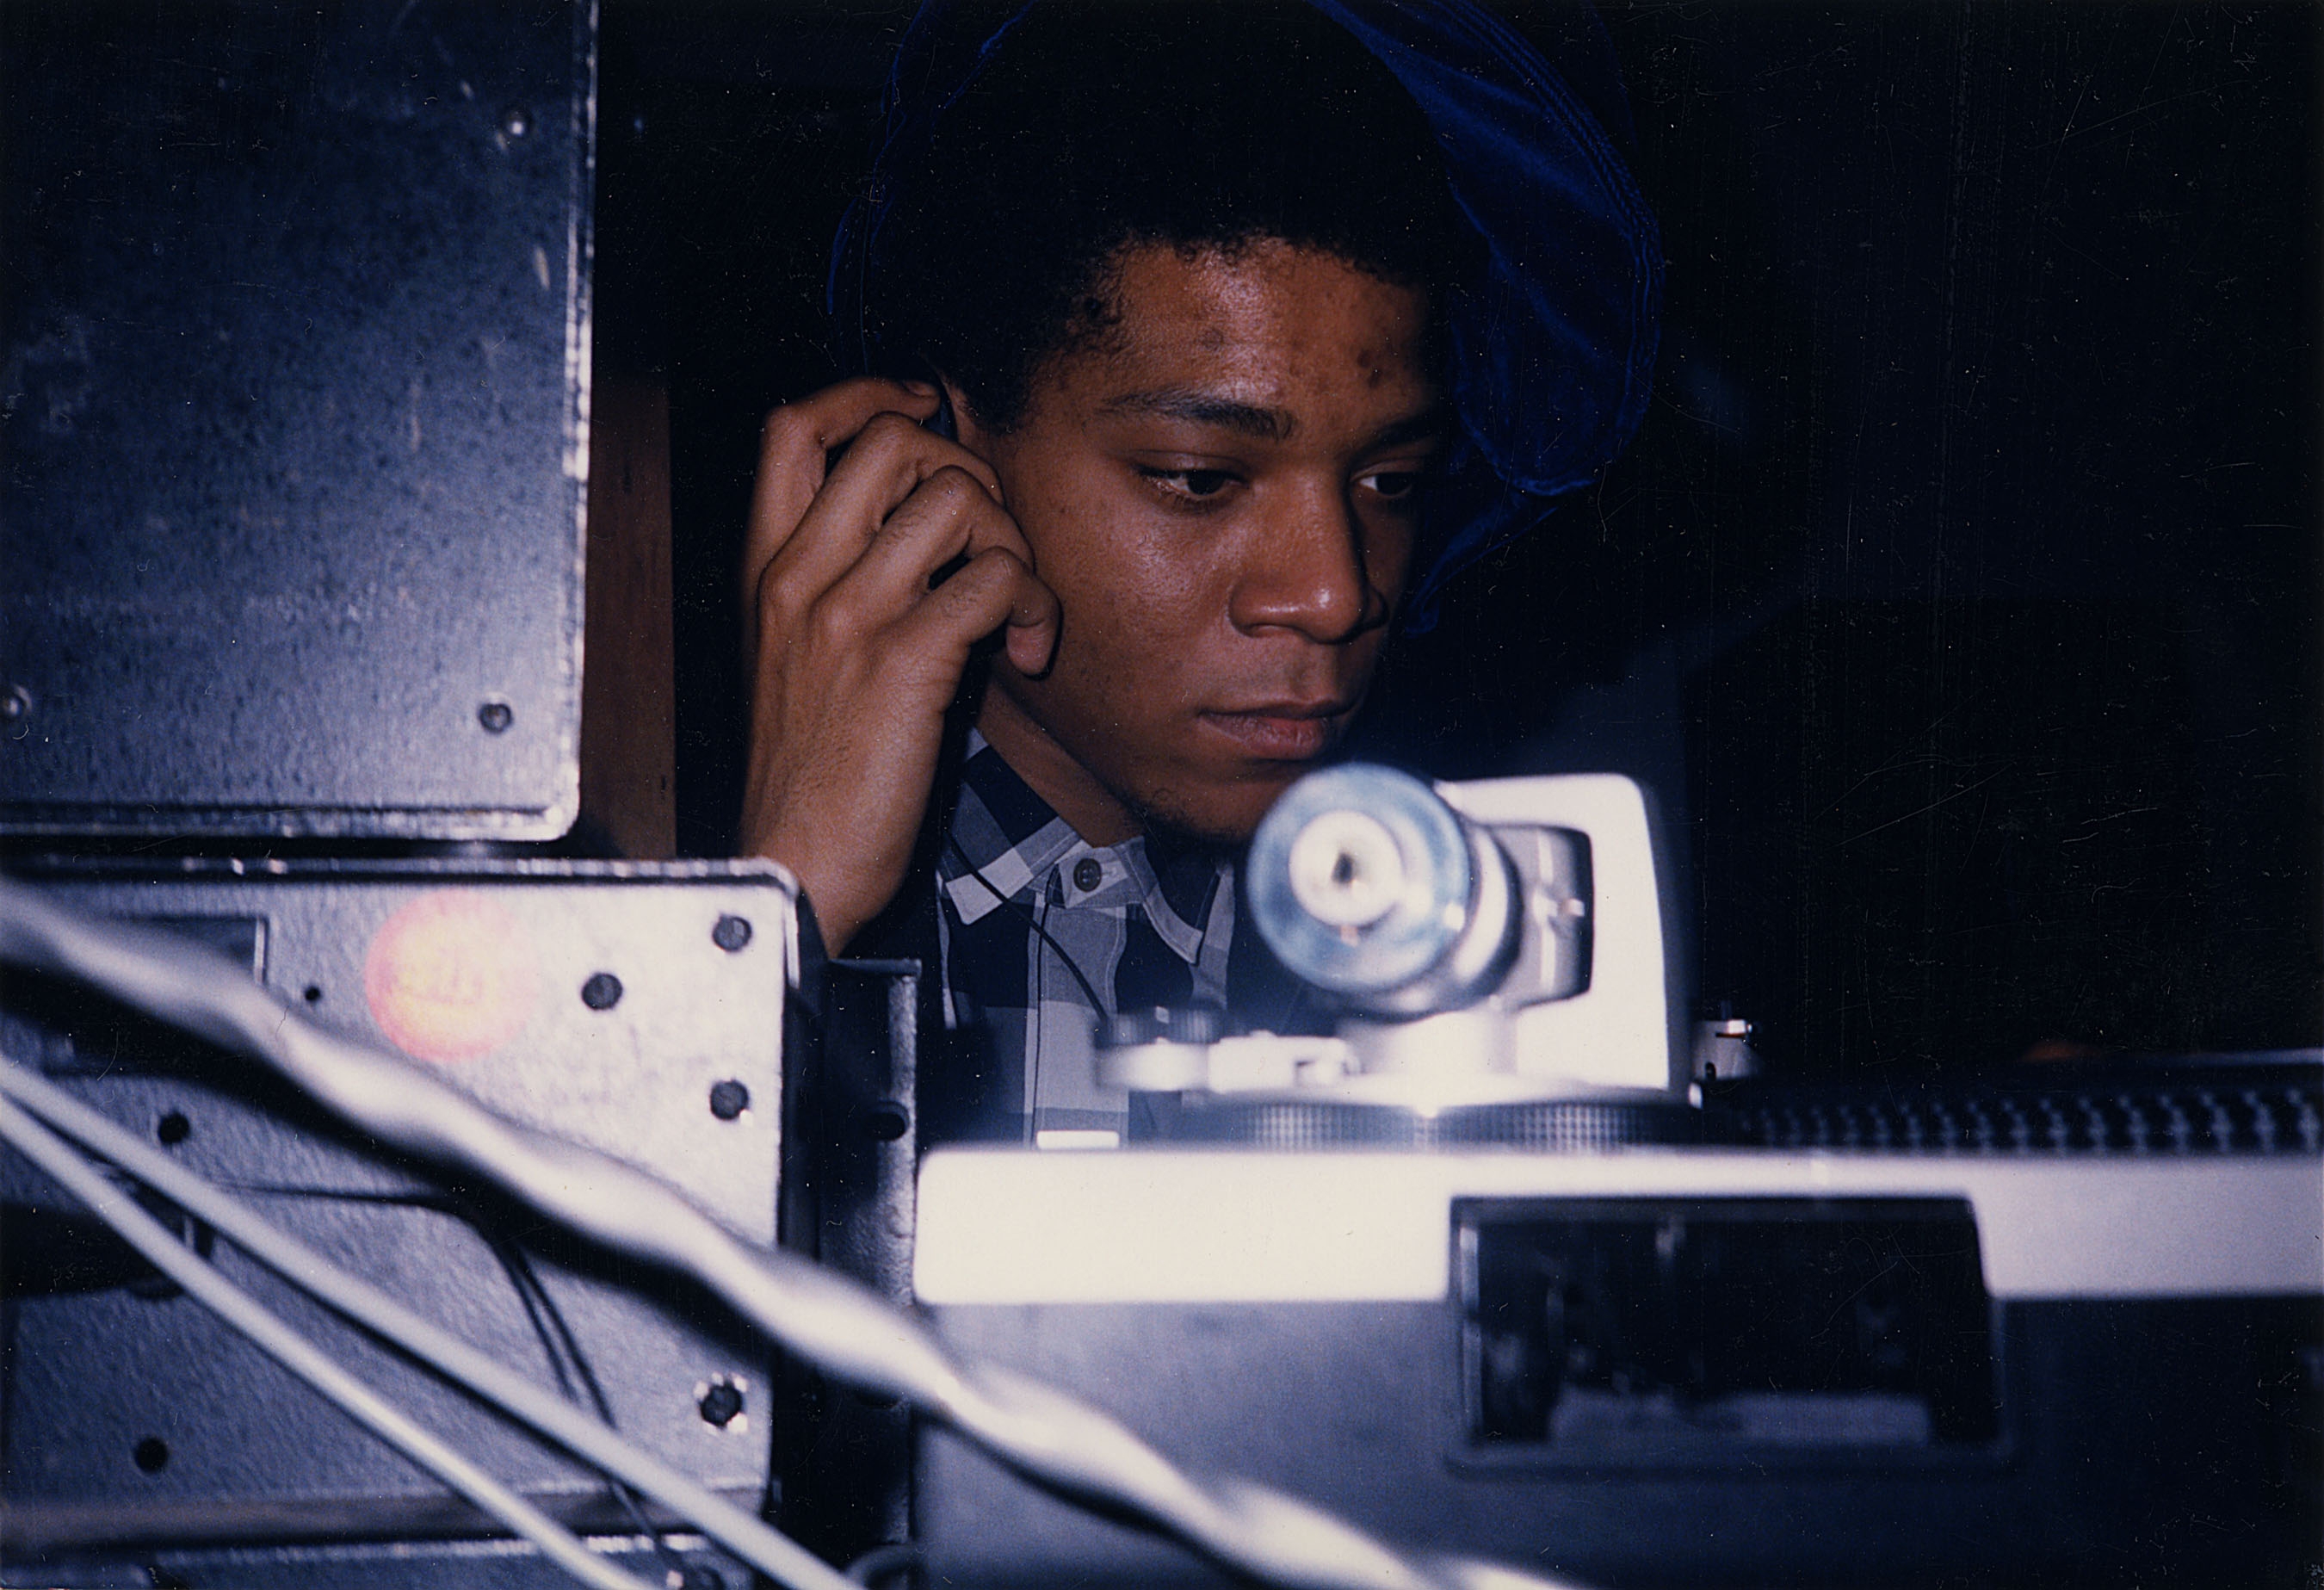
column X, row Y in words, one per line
column 925, row 388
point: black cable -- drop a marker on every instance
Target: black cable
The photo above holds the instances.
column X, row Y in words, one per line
column 520, row 1265
column 1098, row 1007
column 1032, row 922
column 513, row 1267
column 534, row 1295
column 558, row 1344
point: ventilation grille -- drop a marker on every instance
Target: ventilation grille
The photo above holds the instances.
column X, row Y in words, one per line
column 2275, row 1114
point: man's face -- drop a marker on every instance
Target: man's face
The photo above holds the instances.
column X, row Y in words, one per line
column 1221, row 491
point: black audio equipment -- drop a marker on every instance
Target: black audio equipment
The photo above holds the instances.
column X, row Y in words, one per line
column 2049, row 1365
column 638, row 1009
column 295, row 335
column 1484, row 1272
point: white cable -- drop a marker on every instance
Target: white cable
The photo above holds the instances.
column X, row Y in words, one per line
column 774, row 1554
column 848, row 1330
column 301, row 1357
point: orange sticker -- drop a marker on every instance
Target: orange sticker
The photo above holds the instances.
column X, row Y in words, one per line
column 450, row 977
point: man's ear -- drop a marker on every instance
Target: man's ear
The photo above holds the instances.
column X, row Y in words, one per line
column 965, row 429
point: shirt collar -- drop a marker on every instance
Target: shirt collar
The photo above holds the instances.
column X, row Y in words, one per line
column 1005, row 840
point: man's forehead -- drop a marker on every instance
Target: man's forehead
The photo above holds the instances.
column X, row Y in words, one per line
column 1219, row 295
column 1428, row 415
column 1248, row 339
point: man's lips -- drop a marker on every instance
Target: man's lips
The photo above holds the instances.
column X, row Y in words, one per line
column 1297, row 731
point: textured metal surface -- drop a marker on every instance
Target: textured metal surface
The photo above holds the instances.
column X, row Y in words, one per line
column 1549, row 1125
column 2218, row 1109
column 93, row 1375
column 851, row 1136
column 294, row 396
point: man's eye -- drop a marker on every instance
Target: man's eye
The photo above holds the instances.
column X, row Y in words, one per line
column 1393, row 485
column 1196, row 485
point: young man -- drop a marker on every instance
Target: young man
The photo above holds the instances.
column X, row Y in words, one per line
column 1194, row 333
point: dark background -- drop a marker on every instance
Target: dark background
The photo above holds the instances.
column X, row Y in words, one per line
column 1959, row 601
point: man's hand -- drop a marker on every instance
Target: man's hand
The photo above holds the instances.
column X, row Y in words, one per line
column 854, row 657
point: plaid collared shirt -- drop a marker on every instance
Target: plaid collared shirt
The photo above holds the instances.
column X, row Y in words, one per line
column 1043, row 935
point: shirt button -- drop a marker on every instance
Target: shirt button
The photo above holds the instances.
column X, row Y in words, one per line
column 1087, row 873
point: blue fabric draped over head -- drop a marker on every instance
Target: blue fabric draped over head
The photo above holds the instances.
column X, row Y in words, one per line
column 1553, row 344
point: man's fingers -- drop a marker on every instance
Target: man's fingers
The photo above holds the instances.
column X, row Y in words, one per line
column 991, row 590
column 890, row 460
column 794, row 446
column 949, row 515
column 1031, row 642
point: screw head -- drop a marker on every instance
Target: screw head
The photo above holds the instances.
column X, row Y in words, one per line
column 495, row 716
column 516, row 122
column 730, row 933
column 884, row 1122
column 729, row 1099
column 601, row 991
column 722, row 1404
column 15, row 704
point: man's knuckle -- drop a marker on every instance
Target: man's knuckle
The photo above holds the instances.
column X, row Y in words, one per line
column 890, row 432
column 1000, row 571
column 786, row 425
column 833, row 623
column 779, row 598
column 956, row 490
column 976, row 588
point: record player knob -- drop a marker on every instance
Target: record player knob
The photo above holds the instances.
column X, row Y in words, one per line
column 1367, row 885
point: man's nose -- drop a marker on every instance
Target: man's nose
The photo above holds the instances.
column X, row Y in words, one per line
column 1304, row 569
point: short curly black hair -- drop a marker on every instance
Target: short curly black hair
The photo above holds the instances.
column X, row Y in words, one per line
column 1101, row 125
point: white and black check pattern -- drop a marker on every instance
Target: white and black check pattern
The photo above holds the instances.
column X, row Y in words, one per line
column 1043, row 935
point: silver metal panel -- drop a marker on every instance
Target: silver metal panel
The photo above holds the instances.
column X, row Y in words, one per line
column 638, row 1009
